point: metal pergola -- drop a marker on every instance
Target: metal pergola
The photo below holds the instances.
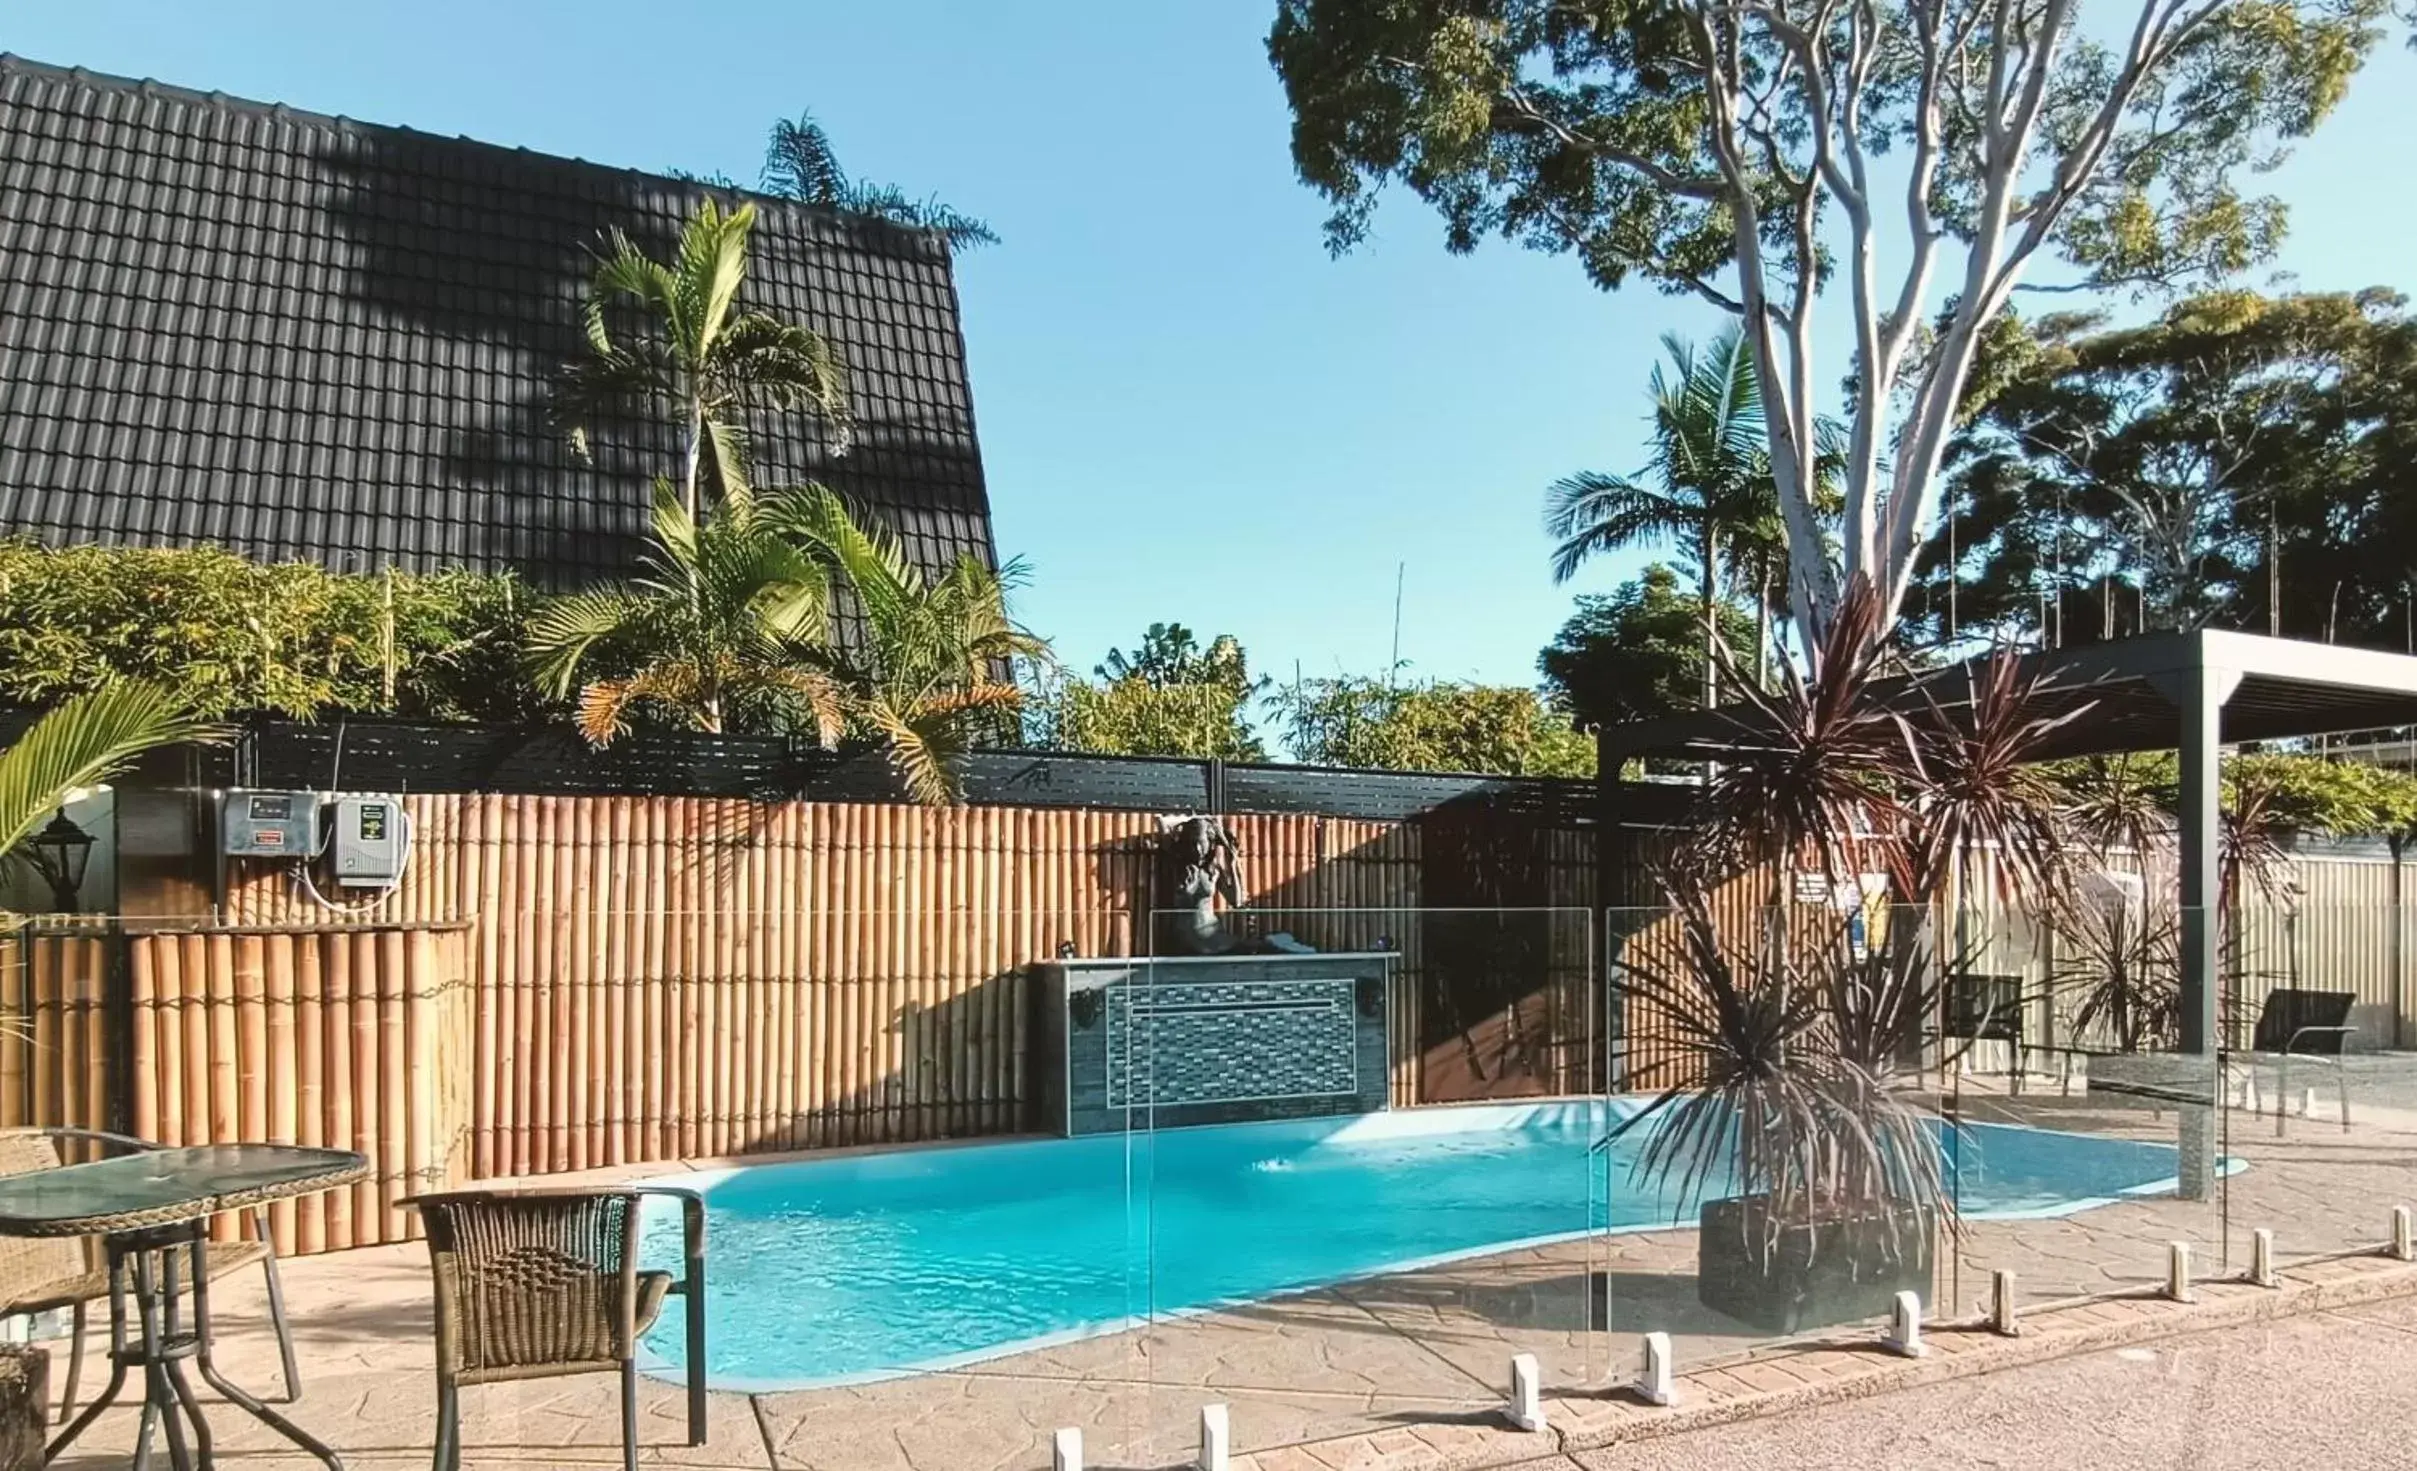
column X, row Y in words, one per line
column 2190, row 693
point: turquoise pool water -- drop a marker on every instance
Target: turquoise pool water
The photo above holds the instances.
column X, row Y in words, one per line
column 847, row 1269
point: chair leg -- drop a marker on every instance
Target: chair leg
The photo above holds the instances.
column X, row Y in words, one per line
column 277, row 1320
column 75, row 1362
column 448, row 1426
column 629, row 1415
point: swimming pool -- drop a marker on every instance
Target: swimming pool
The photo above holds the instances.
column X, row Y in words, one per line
column 865, row 1266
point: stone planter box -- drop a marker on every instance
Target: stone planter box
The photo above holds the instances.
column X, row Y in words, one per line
column 1812, row 1275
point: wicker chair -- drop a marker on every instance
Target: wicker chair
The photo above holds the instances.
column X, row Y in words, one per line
column 532, row 1284
column 40, row 1274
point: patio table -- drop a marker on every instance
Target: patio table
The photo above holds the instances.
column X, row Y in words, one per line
column 148, row 1208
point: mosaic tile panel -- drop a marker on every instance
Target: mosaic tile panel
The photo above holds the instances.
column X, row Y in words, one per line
column 1231, row 1041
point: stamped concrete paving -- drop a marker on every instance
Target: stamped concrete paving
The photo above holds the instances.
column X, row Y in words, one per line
column 2337, row 1390
column 1385, row 1355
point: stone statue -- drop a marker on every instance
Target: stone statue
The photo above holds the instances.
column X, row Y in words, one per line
column 1198, row 864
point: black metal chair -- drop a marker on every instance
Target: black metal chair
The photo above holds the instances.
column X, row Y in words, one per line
column 2312, row 1027
column 1987, row 1008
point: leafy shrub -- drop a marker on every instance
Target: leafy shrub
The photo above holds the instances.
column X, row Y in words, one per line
column 236, row 636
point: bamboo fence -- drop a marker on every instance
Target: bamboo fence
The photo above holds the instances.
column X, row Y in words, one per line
column 563, row 983
column 338, row 1036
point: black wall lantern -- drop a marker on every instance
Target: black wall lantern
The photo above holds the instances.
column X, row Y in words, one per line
column 61, row 852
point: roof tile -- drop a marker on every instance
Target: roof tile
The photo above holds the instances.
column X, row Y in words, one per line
column 314, row 338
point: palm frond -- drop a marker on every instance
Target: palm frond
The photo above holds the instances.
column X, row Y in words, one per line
column 85, row 741
column 725, row 449
column 888, row 202
column 800, row 164
column 608, row 383
column 765, row 361
column 564, row 631
column 913, row 752
column 712, row 265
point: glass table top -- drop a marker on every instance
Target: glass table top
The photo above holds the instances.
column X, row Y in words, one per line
column 163, row 1187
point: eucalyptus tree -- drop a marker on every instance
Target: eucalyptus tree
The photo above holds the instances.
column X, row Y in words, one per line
column 1731, row 151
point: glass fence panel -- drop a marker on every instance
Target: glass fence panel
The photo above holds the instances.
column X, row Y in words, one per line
column 1371, row 1174
column 2084, row 1140
column 2324, row 1086
column 1776, row 1166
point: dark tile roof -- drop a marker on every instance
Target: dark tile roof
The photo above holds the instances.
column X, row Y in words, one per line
column 305, row 337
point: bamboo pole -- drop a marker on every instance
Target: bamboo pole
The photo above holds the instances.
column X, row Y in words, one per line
column 680, row 1007
column 283, row 1095
column 781, row 919
column 16, row 1041
column 520, row 1051
column 614, row 979
column 661, row 1136
column 391, row 1046
column 311, row 1103
column 43, row 974
column 337, row 1131
column 251, row 1036
column 483, row 879
column 361, row 1058
column 576, row 899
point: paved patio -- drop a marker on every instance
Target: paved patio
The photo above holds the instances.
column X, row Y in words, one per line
column 1416, row 1349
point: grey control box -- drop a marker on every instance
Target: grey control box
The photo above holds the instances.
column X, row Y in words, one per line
column 371, row 842
column 268, row 824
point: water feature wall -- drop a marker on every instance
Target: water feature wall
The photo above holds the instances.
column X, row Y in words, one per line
column 1142, row 1043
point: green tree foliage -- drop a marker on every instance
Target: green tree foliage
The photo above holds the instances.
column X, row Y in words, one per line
column 1729, row 151
column 726, row 633
column 1437, row 725
column 1134, row 717
column 1634, row 654
column 2129, row 800
column 700, row 354
column 932, row 671
column 1708, row 489
column 800, row 164
column 232, row 636
column 1170, row 654
column 2176, row 473
column 1167, row 697
column 731, row 632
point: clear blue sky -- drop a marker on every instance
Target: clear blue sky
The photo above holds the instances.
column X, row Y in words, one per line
column 1186, row 409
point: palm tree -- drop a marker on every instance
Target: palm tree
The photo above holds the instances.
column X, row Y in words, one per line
column 86, row 740
column 727, row 632
column 800, row 164
column 710, row 358
column 933, row 670
column 1708, row 486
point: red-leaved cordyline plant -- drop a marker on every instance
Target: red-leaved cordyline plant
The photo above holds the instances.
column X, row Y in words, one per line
column 1773, row 1074
column 1789, row 1047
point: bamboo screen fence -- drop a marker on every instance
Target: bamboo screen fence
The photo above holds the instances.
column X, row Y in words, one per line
column 348, row 1037
column 563, row 983
column 569, row 982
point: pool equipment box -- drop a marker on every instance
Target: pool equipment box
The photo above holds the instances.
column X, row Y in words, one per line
column 1138, row 1043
